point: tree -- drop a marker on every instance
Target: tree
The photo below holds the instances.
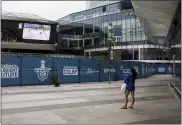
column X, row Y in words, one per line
column 110, row 42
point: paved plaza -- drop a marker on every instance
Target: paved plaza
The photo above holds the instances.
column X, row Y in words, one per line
column 94, row 103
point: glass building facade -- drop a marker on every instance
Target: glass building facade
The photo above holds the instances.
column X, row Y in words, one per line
column 88, row 30
column 94, row 4
column 174, row 34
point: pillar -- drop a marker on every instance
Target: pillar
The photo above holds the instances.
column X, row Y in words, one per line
column 92, row 41
column 139, row 53
column 83, row 34
column 68, row 43
column 89, row 54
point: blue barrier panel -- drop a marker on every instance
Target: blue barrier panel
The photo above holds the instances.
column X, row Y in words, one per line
column 89, row 70
column 154, row 69
column 122, row 69
column 116, row 68
column 142, row 70
column 135, row 65
column 68, row 69
column 178, row 69
column 10, row 71
column 37, row 70
column 169, row 68
column 105, row 66
column 150, row 69
column 147, row 70
column 163, row 69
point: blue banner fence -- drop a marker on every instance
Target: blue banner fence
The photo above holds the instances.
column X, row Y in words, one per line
column 30, row 70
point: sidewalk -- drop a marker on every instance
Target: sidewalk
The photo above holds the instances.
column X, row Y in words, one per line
column 97, row 103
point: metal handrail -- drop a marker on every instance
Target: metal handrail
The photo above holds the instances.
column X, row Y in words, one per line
column 174, row 86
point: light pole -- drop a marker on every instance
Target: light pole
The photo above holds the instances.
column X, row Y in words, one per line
column 109, row 43
column 133, row 44
column 133, row 55
column 132, row 14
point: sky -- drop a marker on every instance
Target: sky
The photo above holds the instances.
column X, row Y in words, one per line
column 51, row 10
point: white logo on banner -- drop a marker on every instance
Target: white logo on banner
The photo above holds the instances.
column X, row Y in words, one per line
column 9, row 71
column 42, row 72
column 170, row 69
column 106, row 70
column 143, row 70
column 146, row 70
column 70, row 70
column 161, row 69
column 91, row 71
column 137, row 69
column 125, row 71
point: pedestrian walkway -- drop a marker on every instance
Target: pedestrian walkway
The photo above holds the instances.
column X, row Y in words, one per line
column 90, row 103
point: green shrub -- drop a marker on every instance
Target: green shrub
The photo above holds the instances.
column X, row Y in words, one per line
column 55, row 81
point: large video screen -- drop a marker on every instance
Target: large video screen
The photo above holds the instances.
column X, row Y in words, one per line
column 36, row 31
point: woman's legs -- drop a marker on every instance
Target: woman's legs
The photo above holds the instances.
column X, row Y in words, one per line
column 126, row 97
column 132, row 98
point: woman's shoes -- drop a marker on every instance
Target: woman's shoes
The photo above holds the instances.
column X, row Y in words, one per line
column 131, row 107
column 124, row 107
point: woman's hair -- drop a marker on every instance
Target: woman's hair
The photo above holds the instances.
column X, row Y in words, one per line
column 134, row 74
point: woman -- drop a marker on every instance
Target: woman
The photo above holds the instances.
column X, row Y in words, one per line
column 130, row 87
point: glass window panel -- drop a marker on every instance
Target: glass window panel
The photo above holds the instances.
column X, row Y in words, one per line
column 138, row 23
column 138, row 36
column 100, row 10
column 105, row 18
column 123, row 37
column 128, row 23
column 109, row 18
column 113, row 23
column 133, row 35
column 143, row 36
column 124, row 31
column 118, row 22
column 105, row 24
column 107, row 8
column 133, row 21
column 128, row 30
column 118, row 16
column 138, row 29
column 117, row 31
column 123, row 22
column 128, row 37
column 113, row 16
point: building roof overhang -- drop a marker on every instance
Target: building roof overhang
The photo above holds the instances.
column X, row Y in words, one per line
column 156, row 16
